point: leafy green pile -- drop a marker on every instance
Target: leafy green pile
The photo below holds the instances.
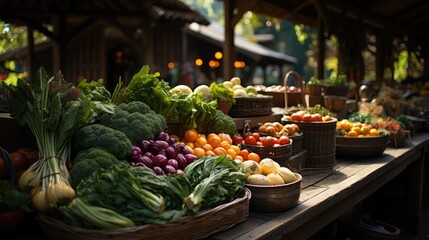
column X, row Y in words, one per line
column 98, row 95
column 11, row 199
column 221, row 93
column 136, row 195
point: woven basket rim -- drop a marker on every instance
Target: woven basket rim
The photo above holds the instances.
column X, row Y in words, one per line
column 53, row 224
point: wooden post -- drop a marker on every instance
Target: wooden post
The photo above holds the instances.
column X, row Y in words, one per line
column 30, row 49
column 229, row 47
column 379, row 59
column 321, row 50
column 426, row 59
column 59, row 47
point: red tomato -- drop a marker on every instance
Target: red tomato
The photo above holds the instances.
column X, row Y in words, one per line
column 268, row 141
column 256, row 135
column 259, row 143
column 284, row 140
column 251, row 140
column 326, row 118
column 306, row 117
column 296, row 116
column 237, row 139
column 317, row 117
column 19, row 160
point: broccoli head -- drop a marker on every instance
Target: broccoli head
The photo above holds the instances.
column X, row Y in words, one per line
column 222, row 123
column 100, row 136
column 88, row 161
column 136, row 120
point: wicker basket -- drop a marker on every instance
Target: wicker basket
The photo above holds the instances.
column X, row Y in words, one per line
column 365, row 147
column 298, row 142
column 280, row 154
column 251, row 106
column 319, row 141
column 199, row 226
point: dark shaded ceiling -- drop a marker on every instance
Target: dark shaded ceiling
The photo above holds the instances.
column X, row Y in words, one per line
column 22, row 12
column 396, row 16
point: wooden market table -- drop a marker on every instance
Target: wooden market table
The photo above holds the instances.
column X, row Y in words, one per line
column 326, row 196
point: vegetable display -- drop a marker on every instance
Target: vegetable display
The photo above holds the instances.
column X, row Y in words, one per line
column 163, row 155
column 136, row 120
column 53, row 110
column 136, row 195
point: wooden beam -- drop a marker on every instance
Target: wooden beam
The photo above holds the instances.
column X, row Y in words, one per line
column 417, row 9
column 379, row 58
column 321, row 50
column 301, row 6
column 228, row 46
column 30, row 49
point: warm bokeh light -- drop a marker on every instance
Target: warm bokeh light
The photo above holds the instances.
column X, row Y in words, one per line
column 214, row 63
column 170, row 65
column 239, row 64
column 198, row 62
column 218, row 55
column 119, row 54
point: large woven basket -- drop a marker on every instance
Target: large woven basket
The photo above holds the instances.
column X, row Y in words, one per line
column 199, row 226
column 280, row 154
column 298, row 142
column 319, row 141
column 251, row 106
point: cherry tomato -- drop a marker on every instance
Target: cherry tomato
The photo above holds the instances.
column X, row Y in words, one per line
column 251, row 140
column 284, row 140
column 256, row 135
column 317, row 117
column 237, row 139
column 268, row 141
column 296, row 116
column 306, row 117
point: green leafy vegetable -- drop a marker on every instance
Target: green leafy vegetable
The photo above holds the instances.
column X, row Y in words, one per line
column 11, row 199
column 221, row 93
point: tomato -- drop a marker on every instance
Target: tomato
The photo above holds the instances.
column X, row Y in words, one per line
column 296, row 116
column 306, row 117
column 317, row 117
column 268, row 141
column 237, row 139
column 326, row 118
column 284, row 140
column 251, row 140
column 19, row 160
column 256, row 135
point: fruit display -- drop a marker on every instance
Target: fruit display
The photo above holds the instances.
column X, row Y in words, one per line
column 306, row 116
column 240, row 91
column 268, row 172
column 356, row 129
column 255, row 139
column 216, row 144
column 278, row 129
column 277, row 88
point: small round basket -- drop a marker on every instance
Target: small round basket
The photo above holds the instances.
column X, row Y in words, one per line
column 275, row 198
column 364, row 147
column 280, row 154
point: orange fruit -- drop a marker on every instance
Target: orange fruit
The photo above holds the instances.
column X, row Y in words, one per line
column 238, row 157
column 253, row 156
column 225, row 137
column 191, row 135
column 175, row 137
column 244, row 153
column 207, row 147
column 220, row 151
column 229, row 156
column 214, row 141
column 211, row 135
column 199, row 152
column 201, row 135
column 236, row 149
column 201, row 141
column 231, row 152
column 225, row 144
column 374, row 132
column 352, row 133
column 210, row 153
column 189, row 144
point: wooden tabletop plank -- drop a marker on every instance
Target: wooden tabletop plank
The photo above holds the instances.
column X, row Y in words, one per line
column 327, row 195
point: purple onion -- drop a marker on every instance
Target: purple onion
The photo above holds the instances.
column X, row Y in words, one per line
column 185, row 150
column 173, row 163
column 135, row 150
column 158, row 170
column 179, row 171
column 149, row 155
column 163, row 152
column 153, row 148
column 190, row 157
column 162, row 136
column 144, row 145
column 181, row 160
column 171, row 153
column 171, row 140
column 162, row 144
column 169, row 169
column 146, row 161
column 176, row 147
column 160, row 160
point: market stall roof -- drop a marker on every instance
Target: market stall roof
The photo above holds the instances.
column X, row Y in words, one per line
column 397, row 16
column 25, row 11
column 215, row 33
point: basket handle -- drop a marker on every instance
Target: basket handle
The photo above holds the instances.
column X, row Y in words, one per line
column 298, row 77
